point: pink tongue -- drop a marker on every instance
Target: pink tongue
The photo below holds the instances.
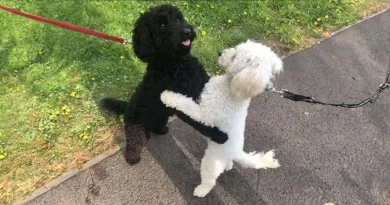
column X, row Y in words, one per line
column 186, row 42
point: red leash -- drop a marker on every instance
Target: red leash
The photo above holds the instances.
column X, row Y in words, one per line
column 67, row 26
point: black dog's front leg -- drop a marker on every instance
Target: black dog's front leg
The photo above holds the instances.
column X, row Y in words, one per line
column 213, row 133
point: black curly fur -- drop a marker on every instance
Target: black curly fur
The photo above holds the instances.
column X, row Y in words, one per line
column 157, row 38
column 115, row 106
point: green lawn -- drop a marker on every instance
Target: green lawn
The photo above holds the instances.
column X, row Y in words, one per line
column 50, row 78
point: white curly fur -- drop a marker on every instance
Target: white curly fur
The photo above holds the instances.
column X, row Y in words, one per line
column 249, row 69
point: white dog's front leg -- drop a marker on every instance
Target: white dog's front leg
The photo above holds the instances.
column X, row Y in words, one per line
column 185, row 105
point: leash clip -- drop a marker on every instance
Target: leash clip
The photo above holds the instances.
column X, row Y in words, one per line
column 386, row 85
column 126, row 41
column 280, row 92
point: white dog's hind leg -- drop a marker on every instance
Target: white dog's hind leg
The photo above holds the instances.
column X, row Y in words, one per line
column 229, row 166
column 210, row 168
column 259, row 160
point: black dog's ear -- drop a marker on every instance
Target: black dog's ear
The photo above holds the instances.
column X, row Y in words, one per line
column 142, row 40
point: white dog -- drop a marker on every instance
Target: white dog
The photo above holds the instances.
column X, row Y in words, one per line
column 249, row 69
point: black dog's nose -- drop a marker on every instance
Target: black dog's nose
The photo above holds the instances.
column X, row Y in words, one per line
column 187, row 32
column 219, row 53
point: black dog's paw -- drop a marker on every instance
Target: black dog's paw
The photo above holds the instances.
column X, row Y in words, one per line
column 133, row 154
column 220, row 139
column 161, row 131
column 218, row 136
column 133, row 160
column 132, row 157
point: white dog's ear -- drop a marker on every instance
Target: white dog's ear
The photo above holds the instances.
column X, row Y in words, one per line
column 246, row 84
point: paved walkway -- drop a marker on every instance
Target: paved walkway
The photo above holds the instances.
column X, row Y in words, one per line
column 327, row 154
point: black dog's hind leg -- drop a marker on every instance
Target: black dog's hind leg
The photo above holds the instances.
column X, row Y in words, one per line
column 136, row 138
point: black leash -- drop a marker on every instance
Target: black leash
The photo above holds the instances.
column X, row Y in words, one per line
column 371, row 99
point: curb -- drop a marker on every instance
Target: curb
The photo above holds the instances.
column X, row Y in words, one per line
column 69, row 174
column 337, row 32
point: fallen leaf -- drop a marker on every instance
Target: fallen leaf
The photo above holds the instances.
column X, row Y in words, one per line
column 80, row 161
column 325, row 34
column 4, row 184
column 60, row 168
column 79, row 164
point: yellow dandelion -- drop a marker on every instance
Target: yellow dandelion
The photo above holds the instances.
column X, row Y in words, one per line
column 229, row 21
column 57, row 112
column 204, row 33
column 319, row 19
column 73, row 94
column 93, row 78
column 122, row 57
column 245, row 13
column 142, row 11
column 18, row 89
column 67, row 110
column 3, row 154
column 85, row 137
column 52, row 117
column 326, row 16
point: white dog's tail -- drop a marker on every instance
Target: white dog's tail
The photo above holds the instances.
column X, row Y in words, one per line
column 258, row 160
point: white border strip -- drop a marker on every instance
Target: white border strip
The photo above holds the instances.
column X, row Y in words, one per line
column 69, row 174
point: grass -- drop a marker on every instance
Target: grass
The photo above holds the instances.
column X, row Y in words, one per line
column 50, row 78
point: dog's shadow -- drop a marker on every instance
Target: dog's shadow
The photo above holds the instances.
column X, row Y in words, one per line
column 179, row 156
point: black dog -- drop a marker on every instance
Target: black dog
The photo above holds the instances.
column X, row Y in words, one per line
column 162, row 39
